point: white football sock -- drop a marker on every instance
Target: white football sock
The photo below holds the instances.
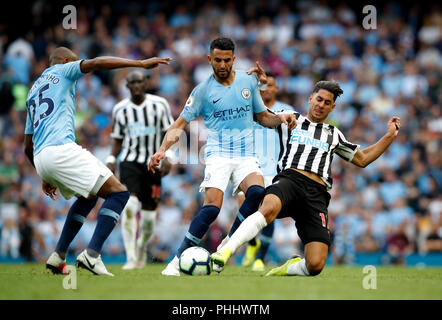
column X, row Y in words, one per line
column 246, row 231
column 147, row 224
column 129, row 227
column 298, row 269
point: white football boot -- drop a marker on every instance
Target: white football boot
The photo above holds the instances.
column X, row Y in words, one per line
column 94, row 265
column 173, row 268
column 56, row 264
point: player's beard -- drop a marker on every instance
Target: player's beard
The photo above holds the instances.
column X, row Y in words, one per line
column 223, row 77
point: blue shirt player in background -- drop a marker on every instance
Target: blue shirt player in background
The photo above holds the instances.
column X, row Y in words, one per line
column 228, row 101
column 66, row 166
column 267, row 146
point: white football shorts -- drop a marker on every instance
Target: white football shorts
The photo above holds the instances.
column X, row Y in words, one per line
column 72, row 169
column 219, row 171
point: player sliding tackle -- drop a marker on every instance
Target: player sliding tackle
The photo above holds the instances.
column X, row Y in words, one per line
column 62, row 164
column 228, row 101
column 300, row 189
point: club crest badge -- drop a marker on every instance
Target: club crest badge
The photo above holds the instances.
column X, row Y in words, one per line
column 246, row 93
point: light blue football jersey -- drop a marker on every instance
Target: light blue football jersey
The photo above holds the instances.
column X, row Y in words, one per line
column 267, row 143
column 51, row 106
column 227, row 112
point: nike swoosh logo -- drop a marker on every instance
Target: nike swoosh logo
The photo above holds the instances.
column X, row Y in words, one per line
column 215, row 101
column 89, row 263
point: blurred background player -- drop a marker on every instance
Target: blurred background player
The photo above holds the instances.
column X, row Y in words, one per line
column 64, row 165
column 139, row 124
column 267, row 150
column 300, row 188
column 228, row 101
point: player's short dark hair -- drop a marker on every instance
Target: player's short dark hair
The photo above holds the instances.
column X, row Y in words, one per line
column 331, row 86
column 222, row 43
column 270, row 75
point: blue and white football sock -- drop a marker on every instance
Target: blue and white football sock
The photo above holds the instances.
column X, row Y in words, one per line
column 198, row 228
column 107, row 219
column 74, row 221
column 254, row 196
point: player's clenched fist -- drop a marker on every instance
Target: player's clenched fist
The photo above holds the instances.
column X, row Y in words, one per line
column 394, row 125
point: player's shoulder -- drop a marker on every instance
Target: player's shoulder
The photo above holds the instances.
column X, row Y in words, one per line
column 244, row 76
column 155, row 98
column 120, row 106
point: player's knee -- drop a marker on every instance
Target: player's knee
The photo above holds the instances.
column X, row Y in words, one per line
column 315, row 265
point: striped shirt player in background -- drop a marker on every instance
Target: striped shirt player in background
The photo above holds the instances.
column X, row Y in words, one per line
column 139, row 125
column 300, row 188
column 64, row 165
column 228, row 101
column 267, row 150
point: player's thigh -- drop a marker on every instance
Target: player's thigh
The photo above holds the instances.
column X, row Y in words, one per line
column 111, row 185
column 270, row 207
column 246, row 173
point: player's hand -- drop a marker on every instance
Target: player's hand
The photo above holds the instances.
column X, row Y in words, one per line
column 154, row 62
column 260, row 73
column 154, row 162
column 394, row 125
column 289, row 119
column 49, row 189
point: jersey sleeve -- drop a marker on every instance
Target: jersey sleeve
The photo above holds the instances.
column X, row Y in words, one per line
column 258, row 104
column 167, row 119
column 71, row 70
column 194, row 103
column 117, row 126
column 345, row 149
column 29, row 128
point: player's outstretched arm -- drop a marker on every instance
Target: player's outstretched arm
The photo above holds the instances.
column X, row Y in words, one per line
column 364, row 157
column 106, row 63
column 172, row 136
column 271, row 120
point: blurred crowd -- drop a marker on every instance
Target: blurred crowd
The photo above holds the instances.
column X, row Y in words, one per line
column 392, row 207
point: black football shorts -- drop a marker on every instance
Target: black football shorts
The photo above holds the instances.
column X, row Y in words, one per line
column 306, row 201
column 139, row 180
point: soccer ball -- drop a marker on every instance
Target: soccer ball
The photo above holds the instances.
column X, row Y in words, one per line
column 195, row 261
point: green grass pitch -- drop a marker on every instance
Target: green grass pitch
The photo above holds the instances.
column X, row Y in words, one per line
column 33, row 281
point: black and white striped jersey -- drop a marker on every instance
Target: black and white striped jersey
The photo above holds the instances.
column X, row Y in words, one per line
column 310, row 147
column 141, row 127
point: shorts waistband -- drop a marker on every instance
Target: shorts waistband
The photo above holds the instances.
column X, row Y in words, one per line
column 291, row 172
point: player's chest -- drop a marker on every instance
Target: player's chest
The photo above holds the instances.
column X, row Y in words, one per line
column 229, row 101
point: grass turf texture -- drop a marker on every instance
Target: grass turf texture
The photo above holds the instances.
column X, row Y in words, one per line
column 33, row 281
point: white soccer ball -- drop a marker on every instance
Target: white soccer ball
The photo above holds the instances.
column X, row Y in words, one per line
column 195, row 261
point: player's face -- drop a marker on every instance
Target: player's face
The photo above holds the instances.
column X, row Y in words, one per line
column 137, row 85
column 222, row 62
column 269, row 94
column 321, row 104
